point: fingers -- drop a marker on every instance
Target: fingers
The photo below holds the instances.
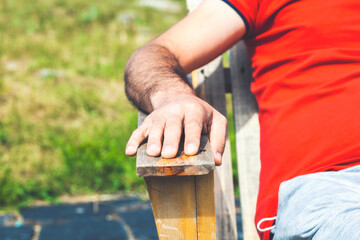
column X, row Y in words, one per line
column 139, row 135
column 172, row 134
column 163, row 128
column 154, row 129
column 218, row 137
column 155, row 137
column 193, row 127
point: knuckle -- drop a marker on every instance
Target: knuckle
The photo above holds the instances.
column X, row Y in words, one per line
column 157, row 121
column 155, row 135
column 156, row 132
column 174, row 119
column 193, row 124
column 192, row 105
column 174, row 109
column 155, row 118
column 173, row 128
column 172, row 133
column 148, row 119
column 137, row 133
column 171, row 141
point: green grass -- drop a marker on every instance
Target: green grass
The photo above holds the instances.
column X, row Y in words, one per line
column 231, row 132
column 64, row 118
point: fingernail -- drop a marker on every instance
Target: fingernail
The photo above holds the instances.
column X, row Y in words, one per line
column 153, row 149
column 130, row 150
column 168, row 150
column 190, row 149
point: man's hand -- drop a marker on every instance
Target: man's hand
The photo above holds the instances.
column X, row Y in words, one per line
column 163, row 128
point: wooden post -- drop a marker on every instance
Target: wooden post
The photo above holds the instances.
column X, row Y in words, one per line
column 209, row 83
column 181, row 192
column 247, row 137
column 183, row 207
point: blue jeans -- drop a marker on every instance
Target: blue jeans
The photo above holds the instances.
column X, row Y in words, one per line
column 320, row 206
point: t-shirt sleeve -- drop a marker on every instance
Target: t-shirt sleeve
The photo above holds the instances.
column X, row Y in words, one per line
column 247, row 10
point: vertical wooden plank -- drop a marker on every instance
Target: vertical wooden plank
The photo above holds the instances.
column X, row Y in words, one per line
column 247, row 136
column 205, row 207
column 173, row 200
column 183, row 207
column 209, row 83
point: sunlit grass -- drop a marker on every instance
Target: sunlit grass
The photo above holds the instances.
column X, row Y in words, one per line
column 64, row 118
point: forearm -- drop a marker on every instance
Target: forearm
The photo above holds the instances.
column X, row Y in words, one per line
column 153, row 75
column 156, row 82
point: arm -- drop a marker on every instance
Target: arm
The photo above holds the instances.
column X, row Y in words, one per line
column 155, row 81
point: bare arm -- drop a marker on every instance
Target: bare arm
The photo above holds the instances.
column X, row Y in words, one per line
column 155, row 82
column 153, row 70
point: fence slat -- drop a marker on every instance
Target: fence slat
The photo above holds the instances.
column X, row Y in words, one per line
column 210, row 86
column 247, row 136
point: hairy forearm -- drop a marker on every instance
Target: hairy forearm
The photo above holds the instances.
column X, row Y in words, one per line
column 153, row 75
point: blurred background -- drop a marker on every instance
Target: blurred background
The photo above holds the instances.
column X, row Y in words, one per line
column 64, row 117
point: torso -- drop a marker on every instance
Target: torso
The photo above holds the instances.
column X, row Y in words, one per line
column 306, row 62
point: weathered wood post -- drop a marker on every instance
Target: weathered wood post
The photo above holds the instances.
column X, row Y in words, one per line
column 181, row 192
column 247, row 136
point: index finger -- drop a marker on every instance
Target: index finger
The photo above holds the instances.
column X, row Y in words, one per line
column 136, row 138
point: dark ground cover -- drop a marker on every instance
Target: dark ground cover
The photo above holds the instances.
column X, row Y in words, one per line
column 127, row 218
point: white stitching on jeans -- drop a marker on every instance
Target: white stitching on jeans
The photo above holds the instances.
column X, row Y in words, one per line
column 258, row 226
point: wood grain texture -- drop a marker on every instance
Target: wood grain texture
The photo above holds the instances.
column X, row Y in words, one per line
column 183, row 207
column 209, row 83
column 173, row 201
column 205, row 207
column 182, row 165
column 247, row 137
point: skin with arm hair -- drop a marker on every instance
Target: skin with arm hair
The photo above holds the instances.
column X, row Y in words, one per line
column 155, row 82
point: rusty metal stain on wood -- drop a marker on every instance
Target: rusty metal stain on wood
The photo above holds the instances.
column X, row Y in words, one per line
column 182, row 165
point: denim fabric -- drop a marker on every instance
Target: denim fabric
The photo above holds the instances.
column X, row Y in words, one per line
column 320, row 206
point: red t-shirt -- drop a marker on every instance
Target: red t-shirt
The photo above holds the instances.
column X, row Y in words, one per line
column 305, row 57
